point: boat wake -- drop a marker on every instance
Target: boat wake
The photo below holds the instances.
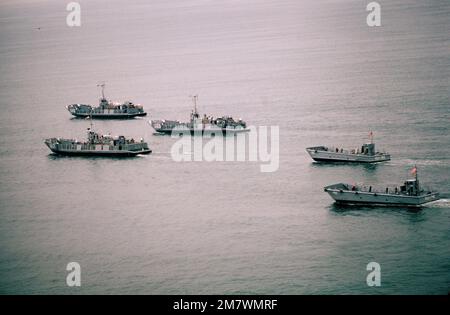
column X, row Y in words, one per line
column 402, row 162
column 441, row 203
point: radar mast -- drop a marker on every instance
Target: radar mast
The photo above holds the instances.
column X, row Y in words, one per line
column 102, row 85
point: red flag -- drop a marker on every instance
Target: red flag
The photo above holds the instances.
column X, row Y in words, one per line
column 414, row 170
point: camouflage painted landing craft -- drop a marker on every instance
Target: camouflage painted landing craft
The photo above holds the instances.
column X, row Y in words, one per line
column 200, row 126
column 365, row 154
column 98, row 145
column 410, row 194
column 107, row 109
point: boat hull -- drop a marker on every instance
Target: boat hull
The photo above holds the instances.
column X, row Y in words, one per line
column 342, row 196
column 116, row 153
column 203, row 132
column 332, row 157
column 108, row 116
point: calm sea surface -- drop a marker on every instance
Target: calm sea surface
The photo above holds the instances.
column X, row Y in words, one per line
column 151, row 225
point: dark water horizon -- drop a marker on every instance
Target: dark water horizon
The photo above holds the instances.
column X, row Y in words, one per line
column 149, row 225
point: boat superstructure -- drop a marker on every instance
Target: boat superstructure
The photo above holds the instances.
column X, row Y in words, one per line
column 107, row 109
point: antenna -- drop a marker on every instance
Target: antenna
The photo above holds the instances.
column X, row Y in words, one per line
column 102, row 85
column 371, row 136
column 416, row 183
column 194, row 99
column 90, row 120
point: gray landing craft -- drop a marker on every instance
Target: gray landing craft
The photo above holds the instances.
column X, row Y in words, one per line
column 98, row 145
column 410, row 194
column 203, row 126
column 365, row 154
column 107, row 109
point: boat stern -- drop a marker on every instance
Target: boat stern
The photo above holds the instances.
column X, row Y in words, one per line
column 430, row 197
column 142, row 114
column 381, row 157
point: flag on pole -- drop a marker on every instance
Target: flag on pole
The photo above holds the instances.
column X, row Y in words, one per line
column 414, row 170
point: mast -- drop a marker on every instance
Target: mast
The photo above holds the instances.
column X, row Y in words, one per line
column 90, row 121
column 194, row 98
column 194, row 113
column 90, row 131
column 102, row 85
column 416, row 181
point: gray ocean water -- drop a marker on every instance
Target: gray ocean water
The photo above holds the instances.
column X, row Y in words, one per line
column 149, row 225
